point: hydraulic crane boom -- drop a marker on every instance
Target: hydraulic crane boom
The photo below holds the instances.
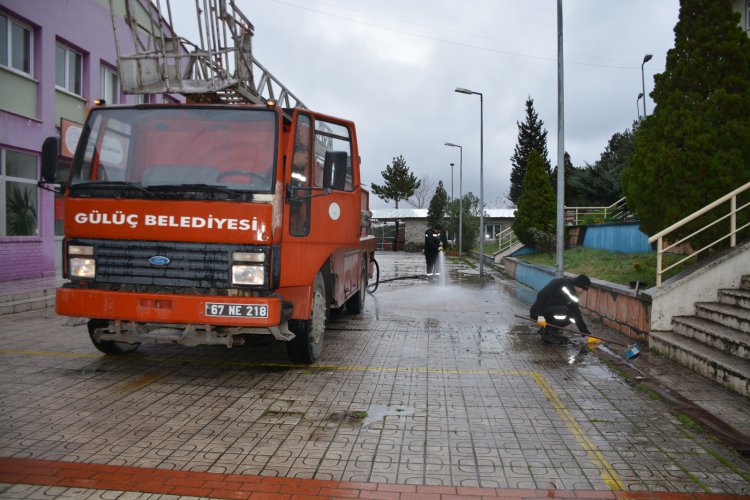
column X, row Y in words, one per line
column 220, row 68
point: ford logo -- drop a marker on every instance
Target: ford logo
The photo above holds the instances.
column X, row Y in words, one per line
column 159, row 260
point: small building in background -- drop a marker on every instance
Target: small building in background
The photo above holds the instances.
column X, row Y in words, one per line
column 413, row 224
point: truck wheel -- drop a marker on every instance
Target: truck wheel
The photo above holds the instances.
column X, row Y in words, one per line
column 307, row 343
column 356, row 302
column 109, row 346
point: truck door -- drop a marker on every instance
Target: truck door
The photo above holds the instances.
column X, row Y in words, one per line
column 323, row 225
column 336, row 217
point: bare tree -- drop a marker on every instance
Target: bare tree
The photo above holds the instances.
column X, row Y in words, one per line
column 422, row 194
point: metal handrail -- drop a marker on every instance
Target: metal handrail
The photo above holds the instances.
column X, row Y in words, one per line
column 617, row 211
column 506, row 239
column 732, row 234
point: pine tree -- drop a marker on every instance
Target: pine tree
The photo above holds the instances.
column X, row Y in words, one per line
column 400, row 183
column 695, row 147
column 537, row 206
column 438, row 206
column 601, row 183
column 531, row 137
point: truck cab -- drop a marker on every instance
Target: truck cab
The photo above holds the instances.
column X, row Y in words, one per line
column 202, row 224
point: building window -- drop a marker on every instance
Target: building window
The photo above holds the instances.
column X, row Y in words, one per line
column 15, row 45
column 18, row 192
column 69, row 73
column 110, row 86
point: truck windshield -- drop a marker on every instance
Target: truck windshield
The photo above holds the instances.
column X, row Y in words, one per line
column 146, row 151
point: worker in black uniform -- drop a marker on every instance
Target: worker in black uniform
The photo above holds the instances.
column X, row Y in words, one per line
column 557, row 303
column 433, row 245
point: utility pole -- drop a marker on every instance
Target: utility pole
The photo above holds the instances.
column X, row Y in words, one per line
column 560, row 268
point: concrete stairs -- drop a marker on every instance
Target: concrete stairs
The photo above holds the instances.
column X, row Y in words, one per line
column 715, row 341
column 498, row 256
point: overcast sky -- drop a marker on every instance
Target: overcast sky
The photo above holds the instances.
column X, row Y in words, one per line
column 391, row 66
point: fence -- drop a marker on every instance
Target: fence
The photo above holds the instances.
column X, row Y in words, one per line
column 617, row 211
column 659, row 237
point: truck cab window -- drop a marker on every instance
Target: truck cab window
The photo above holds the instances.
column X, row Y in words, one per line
column 299, row 209
column 177, row 150
column 330, row 137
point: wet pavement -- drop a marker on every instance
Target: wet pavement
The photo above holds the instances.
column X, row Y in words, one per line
column 437, row 390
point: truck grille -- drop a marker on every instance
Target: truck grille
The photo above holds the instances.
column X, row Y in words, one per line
column 194, row 265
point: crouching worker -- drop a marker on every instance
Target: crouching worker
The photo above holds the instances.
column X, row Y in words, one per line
column 557, row 303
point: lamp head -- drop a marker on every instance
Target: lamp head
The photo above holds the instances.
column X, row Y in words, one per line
column 453, row 145
column 647, row 57
column 461, row 90
column 452, row 165
column 640, row 95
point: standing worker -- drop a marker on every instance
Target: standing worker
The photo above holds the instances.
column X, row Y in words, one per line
column 557, row 304
column 433, row 245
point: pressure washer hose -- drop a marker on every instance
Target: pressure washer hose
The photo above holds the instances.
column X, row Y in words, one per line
column 373, row 287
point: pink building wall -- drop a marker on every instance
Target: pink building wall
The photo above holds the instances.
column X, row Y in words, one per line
column 85, row 25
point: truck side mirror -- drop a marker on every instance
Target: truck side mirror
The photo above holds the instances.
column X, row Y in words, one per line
column 334, row 170
column 50, row 150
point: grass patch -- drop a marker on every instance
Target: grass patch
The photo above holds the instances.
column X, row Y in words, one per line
column 696, row 480
column 490, row 247
column 689, row 422
column 615, row 267
column 729, row 465
column 622, row 374
column 464, row 260
column 648, row 392
column 358, row 414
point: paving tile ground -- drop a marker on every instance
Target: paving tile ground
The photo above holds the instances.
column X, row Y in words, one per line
column 435, row 391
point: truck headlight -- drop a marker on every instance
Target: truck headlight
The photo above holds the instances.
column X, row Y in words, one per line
column 81, row 263
column 248, row 274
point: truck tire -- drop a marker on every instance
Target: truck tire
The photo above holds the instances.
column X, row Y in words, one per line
column 307, row 343
column 356, row 302
column 109, row 346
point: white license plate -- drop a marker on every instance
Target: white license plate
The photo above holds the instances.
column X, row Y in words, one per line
column 236, row 310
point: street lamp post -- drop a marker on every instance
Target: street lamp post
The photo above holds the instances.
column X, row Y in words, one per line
column 646, row 59
column 481, row 175
column 460, row 195
column 452, row 181
column 638, row 106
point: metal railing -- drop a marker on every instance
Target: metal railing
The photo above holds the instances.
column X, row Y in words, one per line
column 575, row 216
column 732, row 234
column 506, row 239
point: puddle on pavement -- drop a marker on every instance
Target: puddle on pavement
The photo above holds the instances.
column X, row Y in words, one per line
column 373, row 413
column 376, row 413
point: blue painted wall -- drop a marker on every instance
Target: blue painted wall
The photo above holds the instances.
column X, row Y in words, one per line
column 626, row 238
column 523, row 251
column 532, row 276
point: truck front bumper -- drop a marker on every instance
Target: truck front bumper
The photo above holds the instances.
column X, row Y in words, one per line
column 235, row 315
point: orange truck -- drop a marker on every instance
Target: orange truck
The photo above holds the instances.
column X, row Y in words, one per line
column 202, row 224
